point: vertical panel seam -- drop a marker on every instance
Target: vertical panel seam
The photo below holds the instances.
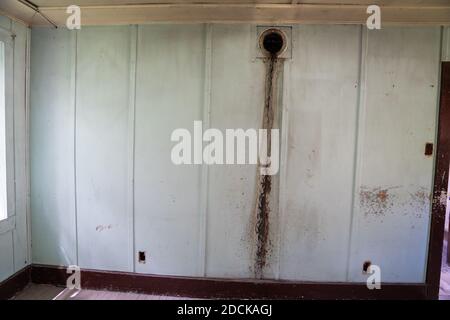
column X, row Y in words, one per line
column 359, row 119
column 204, row 189
column 131, row 142
column 75, row 146
column 13, row 142
column 19, row 188
column 286, row 99
column 27, row 146
column 13, row 248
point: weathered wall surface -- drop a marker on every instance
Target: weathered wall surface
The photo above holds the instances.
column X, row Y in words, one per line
column 15, row 242
column 52, row 150
column 356, row 110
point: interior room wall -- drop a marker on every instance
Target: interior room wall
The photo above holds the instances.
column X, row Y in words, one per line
column 358, row 107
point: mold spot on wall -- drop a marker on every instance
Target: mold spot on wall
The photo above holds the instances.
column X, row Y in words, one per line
column 101, row 228
column 420, row 201
column 376, row 201
column 262, row 223
column 411, row 200
column 272, row 43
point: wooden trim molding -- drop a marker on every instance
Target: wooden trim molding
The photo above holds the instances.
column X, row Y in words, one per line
column 208, row 11
column 440, row 187
column 224, row 288
column 15, row 283
column 247, row 13
column 207, row 287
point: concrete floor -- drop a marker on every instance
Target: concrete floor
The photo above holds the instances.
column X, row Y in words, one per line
column 49, row 292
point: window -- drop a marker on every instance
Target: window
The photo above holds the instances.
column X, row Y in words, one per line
column 6, row 126
column 3, row 207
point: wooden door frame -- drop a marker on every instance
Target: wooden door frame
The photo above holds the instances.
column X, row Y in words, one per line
column 439, row 198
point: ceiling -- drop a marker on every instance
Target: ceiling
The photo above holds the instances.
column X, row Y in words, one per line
column 56, row 3
column 104, row 12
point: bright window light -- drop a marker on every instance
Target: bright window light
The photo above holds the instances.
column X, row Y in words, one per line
column 3, row 185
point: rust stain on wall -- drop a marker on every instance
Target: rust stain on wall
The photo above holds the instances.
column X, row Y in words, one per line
column 411, row 200
column 376, row 201
column 262, row 223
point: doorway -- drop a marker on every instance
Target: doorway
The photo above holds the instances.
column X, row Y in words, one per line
column 443, row 184
column 444, row 287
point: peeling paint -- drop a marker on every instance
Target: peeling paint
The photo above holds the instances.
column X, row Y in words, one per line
column 440, row 200
column 443, row 198
column 440, row 203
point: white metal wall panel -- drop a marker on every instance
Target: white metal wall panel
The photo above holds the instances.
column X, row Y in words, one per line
column 103, row 73
column 393, row 176
column 237, row 101
column 169, row 95
column 21, row 236
column 5, row 22
column 6, row 256
column 355, row 182
column 322, row 108
column 52, row 146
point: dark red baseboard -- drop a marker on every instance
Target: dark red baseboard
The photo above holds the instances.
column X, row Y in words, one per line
column 207, row 287
column 223, row 288
column 15, row 283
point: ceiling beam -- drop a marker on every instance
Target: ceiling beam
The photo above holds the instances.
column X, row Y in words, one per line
column 256, row 13
column 394, row 3
column 412, row 12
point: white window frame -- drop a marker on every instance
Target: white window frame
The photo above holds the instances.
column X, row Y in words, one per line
column 8, row 39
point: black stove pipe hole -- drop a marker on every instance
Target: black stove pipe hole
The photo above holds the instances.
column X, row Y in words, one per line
column 273, row 42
